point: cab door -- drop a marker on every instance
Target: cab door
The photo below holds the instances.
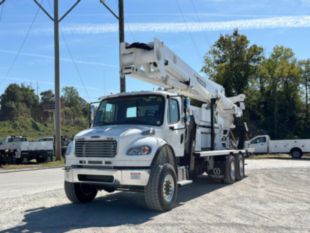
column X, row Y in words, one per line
column 260, row 144
column 176, row 126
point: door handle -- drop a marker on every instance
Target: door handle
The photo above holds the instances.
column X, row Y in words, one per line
column 172, row 127
column 181, row 138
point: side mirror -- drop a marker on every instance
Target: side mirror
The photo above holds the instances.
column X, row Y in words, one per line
column 92, row 110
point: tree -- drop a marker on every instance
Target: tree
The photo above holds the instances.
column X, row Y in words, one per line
column 305, row 76
column 280, row 78
column 74, row 104
column 232, row 62
column 47, row 97
column 18, row 100
column 46, row 103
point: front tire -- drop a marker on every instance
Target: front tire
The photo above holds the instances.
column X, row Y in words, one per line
column 80, row 193
column 161, row 190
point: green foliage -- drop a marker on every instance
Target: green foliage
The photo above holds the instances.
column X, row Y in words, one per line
column 280, row 75
column 33, row 130
column 22, row 113
column 74, row 104
column 232, row 62
column 18, row 101
column 274, row 85
column 47, row 97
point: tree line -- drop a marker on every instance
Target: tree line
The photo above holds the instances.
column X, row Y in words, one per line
column 20, row 101
column 277, row 86
column 277, row 89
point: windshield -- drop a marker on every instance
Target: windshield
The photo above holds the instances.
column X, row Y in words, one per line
column 17, row 139
column 143, row 109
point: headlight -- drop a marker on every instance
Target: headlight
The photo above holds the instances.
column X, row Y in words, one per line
column 139, row 150
column 70, row 149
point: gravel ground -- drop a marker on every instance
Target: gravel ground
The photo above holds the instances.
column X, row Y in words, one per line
column 274, row 197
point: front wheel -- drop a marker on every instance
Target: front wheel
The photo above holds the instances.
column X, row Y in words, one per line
column 80, row 193
column 161, row 190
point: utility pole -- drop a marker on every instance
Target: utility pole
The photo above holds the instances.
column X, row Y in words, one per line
column 121, row 27
column 57, row 116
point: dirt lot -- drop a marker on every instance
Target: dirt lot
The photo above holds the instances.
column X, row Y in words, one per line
column 275, row 197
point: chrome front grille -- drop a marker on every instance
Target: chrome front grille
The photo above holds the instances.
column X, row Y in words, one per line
column 98, row 148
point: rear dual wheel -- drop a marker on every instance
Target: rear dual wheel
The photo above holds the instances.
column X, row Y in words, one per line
column 234, row 168
column 240, row 167
column 296, row 153
column 230, row 170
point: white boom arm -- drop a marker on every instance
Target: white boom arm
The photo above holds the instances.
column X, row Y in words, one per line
column 157, row 64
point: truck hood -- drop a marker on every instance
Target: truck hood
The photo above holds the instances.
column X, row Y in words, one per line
column 112, row 131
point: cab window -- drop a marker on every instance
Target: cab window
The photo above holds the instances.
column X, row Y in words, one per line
column 259, row 140
column 174, row 111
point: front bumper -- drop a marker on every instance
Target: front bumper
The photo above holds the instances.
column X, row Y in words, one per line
column 111, row 177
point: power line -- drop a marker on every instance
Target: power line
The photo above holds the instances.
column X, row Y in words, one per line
column 198, row 17
column 189, row 33
column 74, row 64
column 20, row 47
column 72, row 58
column 121, row 27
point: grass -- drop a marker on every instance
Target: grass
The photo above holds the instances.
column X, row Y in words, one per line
column 25, row 126
column 34, row 165
column 270, row 156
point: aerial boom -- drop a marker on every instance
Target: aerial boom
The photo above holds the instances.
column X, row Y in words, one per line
column 157, row 64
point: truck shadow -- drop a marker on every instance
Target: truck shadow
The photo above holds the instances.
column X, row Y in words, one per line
column 107, row 211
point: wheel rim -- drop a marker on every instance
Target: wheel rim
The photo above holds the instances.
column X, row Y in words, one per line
column 232, row 169
column 168, row 188
column 296, row 154
column 241, row 167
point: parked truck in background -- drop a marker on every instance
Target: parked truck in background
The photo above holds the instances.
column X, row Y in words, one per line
column 264, row 145
column 155, row 141
column 17, row 149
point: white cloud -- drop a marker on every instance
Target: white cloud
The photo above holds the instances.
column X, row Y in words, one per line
column 168, row 27
column 35, row 55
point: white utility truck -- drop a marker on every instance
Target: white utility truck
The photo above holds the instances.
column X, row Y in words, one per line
column 17, row 149
column 264, row 145
column 155, row 141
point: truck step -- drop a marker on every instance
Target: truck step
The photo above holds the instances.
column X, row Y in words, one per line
column 184, row 182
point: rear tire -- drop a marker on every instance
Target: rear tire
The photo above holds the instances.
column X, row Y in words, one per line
column 230, row 170
column 80, row 193
column 296, row 153
column 239, row 167
column 161, row 190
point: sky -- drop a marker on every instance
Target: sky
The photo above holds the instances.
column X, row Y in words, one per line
column 89, row 37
